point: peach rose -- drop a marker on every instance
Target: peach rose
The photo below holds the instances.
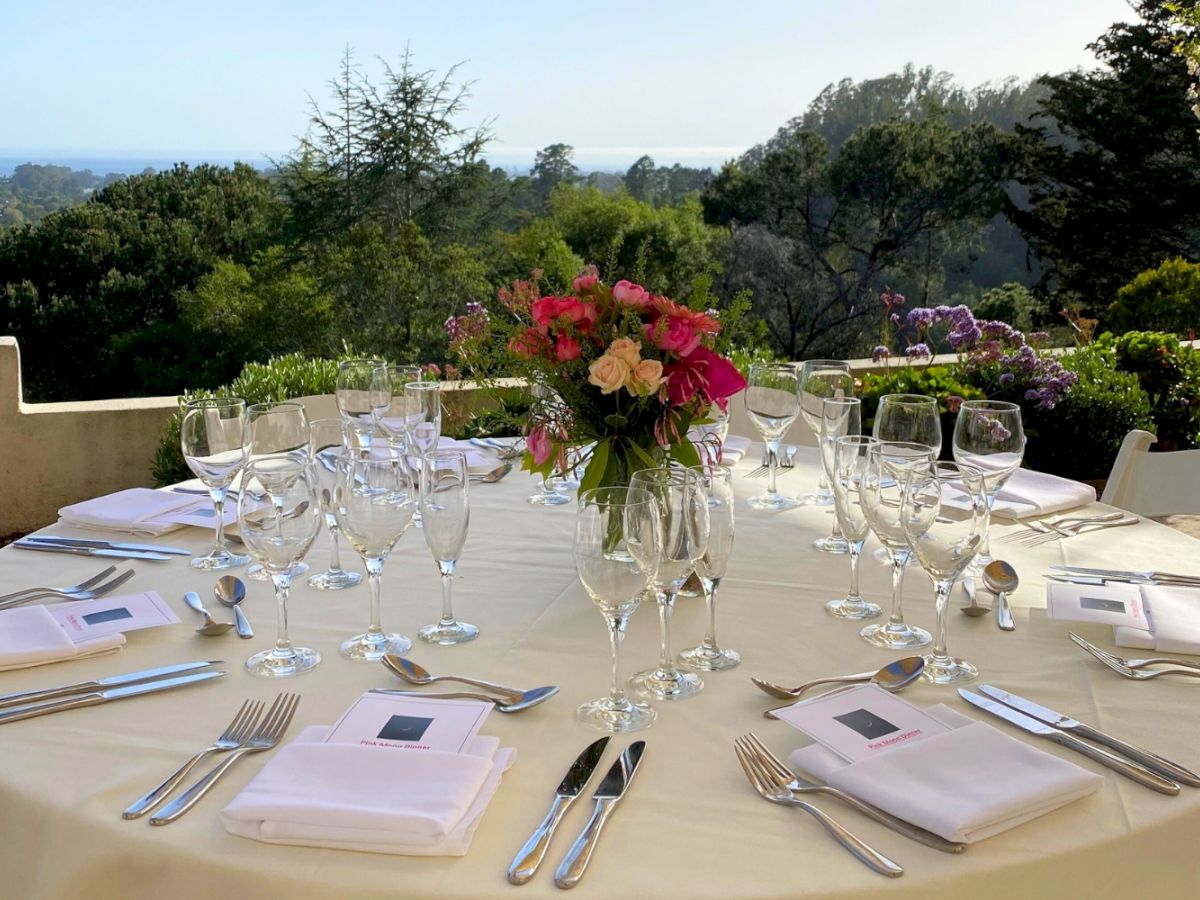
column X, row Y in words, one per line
column 609, row 373
column 628, row 350
column 646, row 378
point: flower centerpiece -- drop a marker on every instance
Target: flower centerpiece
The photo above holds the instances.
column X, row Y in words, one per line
column 619, row 374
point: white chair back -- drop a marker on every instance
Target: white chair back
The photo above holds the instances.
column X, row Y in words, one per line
column 1153, row 484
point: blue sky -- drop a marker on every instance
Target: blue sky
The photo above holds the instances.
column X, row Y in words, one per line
column 680, row 80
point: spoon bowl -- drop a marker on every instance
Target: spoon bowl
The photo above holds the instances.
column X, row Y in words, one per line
column 973, row 609
column 1001, row 579
column 231, row 591
column 210, row 628
column 895, row 676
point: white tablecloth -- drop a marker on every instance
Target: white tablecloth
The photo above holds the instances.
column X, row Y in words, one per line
column 690, row 826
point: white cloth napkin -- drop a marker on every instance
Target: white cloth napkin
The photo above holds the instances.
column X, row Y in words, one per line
column 29, row 636
column 1174, row 618
column 734, row 448
column 135, row 511
column 477, row 460
column 935, row 783
column 1028, row 494
column 377, row 799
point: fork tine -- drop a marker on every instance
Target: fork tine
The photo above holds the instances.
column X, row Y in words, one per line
column 231, row 728
column 285, row 718
column 751, row 773
column 268, row 722
column 245, row 727
column 766, row 776
column 767, row 757
column 1094, row 650
column 95, row 579
column 101, row 589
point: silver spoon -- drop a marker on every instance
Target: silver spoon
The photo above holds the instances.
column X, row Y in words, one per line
column 230, row 591
column 1001, row 579
column 974, row 610
column 413, row 673
column 892, row 677
column 526, row 699
column 210, row 628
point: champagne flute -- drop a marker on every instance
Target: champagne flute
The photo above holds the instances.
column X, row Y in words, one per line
column 363, row 392
column 446, row 512
column 945, row 539
column 618, row 533
column 989, row 437
column 817, row 380
column 423, row 425
column 280, row 517
column 276, row 436
column 212, row 438
column 374, row 501
column 393, row 419
column 772, row 404
column 880, row 493
column 839, row 416
column 849, row 462
column 326, row 442
column 716, row 484
column 683, row 509
column 907, row 418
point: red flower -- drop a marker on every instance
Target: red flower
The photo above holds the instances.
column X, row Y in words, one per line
column 703, row 375
column 626, row 293
column 540, row 445
column 673, row 335
column 566, row 349
column 528, row 344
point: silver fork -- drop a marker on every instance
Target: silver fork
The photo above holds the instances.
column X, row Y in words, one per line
column 231, row 738
column 1059, row 526
column 770, row 788
column 1079, row 528
column 265, row 737
column 1131, row 663
column 82, row 586
column 800, row 785
column 40, row 593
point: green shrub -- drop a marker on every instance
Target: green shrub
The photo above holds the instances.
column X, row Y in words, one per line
column 1162, row 299
column 1169, row 373
column 1011, row 302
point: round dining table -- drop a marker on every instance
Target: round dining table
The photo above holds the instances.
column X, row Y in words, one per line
column 691, row 825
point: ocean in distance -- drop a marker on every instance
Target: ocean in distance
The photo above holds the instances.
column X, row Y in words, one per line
column 121, row 165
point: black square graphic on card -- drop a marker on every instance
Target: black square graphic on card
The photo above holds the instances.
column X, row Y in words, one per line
column 1102, row 604
column 107, row 615
column 405, row 728
column 866, row 723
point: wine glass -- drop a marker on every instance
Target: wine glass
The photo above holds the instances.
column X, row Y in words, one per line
column 772, row 404
column 446, row 511
column 423, row 425
column 212, row 437
column 618, row 533
column 374, row 501
column 945, row 539
column 839, row 416
column 880, row 492
column 276, row 436
column 716, row 485
column 363, row 392
column 683, row 509
column 280, row 516
column 989, row 437
column 908, row 418
column 393, row 419
column 821, row 379
column 326, row 442
column 849, row 462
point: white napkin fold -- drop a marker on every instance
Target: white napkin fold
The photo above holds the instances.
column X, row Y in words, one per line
column 29, row 636
column 1174, row 618
column 734, row 448
column 377, row 799
column 935, row 782
column 477, row 460
column 1028, row 494
column 136, row 511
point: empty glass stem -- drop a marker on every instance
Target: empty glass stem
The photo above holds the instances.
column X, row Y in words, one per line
column 710, row 601
column 283, row 643
column 940, row 656
column 218, row 499
column 374, row 582
column 616, row 633
column 446, row 568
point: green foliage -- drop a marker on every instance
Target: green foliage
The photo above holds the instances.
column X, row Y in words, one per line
column 1169, row 372
column 941, row 382
column 1163, row 299
column 1012, row 303
column 32, row 192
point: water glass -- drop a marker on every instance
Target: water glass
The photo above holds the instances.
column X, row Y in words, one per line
column 772, row 404
column 818, row 380
column 716, row 485
column 446, row 512
column 840, row 416
column 989, row 437
column 326, row 442
column 850, row 456
column 276, row 436
column 212, row 438
column 363, row 392
column 909, row 418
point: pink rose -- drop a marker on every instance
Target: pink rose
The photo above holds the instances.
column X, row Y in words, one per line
column 627, row 293
column 540, row 445
column 566, row 349
column 672, row 334
column 585, row 282
column 580, row 314
column 544, row 310
column 528, row 344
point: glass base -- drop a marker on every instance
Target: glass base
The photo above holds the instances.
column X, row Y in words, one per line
column 895, row 637
column 334, row 580
column 273, row 664
column 832, row 544
column 449, row 633
column 554, row 499
column 771, row 502
column 853, row 608
column 372, row 648
column 666, row 684
column 605, row 715
column 258, row 573
column 882, row 555
column 815, row 498
column 948, row 670
column 218, row 560
column 710, row 659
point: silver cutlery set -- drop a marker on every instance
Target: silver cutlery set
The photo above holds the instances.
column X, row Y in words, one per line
column 94, row 587
column 1139, row 669
column 1034, row 533
column 89, row 547
column 786, row 462
column 504, row 699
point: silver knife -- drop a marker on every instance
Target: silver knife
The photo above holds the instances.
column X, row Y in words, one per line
column 607, row 796
column 107, row 545
column 1066, row 723
column 96, row 697
column 100, row 684
column 1138, row 773
column 529, row 857
column 47, row 547
column 1128, row 574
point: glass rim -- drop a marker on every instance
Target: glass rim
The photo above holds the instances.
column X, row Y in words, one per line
column 909, row 445
column 429, row 386
column 840, row 364
column 373, row 361
column 911, row 400
column 213, row 402
column 446, row 454
column 775, row 366
column 272, row 405
column 591, row 496
column 672, row 473
column 991, row 405
column 865, row 439
column 841, row 401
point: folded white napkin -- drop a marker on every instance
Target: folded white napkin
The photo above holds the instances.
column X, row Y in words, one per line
column 1028, row 494
column 29, row 636
column 734, row 448
column 136, row 511
column 377, row 799
column 1174, row 618
column 477, row 460
column 935, row 782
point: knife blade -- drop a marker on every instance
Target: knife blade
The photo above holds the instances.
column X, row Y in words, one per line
column 95, row 698
column 612, row 788
column 47, row 547
column 1066, row 723
column 107, row 545
column 529, row 857
column 1128, row 574
column 1138, row 773
column 97, row 684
